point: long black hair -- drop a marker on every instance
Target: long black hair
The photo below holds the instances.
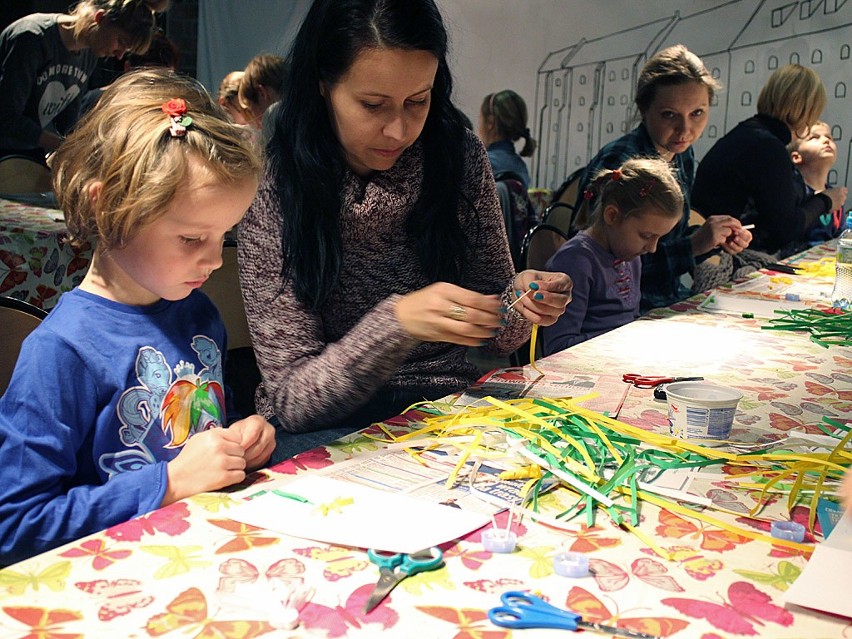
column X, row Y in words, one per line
column 308, row 161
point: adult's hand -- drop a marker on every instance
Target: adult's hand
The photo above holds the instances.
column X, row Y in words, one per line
column 443, row 312
column 720, row 231
column 838, row 196
column 549, row 295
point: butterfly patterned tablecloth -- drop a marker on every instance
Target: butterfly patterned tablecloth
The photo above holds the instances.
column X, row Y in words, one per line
column 188, row 571
column 37, row 265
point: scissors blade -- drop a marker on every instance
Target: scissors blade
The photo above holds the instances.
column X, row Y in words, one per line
column 387, row 582
column 613, row 630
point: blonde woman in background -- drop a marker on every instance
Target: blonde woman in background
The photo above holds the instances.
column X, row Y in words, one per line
column 229, row 98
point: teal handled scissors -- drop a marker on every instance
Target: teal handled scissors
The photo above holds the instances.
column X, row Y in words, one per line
column 394, row 567
column 523, row 610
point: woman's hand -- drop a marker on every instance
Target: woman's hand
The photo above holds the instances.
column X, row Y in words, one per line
column 545, row 295
column 720, row 231
column 443, row 312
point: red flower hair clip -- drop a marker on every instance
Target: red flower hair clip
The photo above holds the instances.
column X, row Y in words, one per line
column 178, row 119
column 588, row 194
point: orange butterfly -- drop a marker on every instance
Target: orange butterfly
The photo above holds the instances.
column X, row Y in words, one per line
column 589, row 539
column 44, row 623
column 591, row 608
column 190, row 609
column 340, row 562
column 470, row 622
column 674, row 526
column 245, row 537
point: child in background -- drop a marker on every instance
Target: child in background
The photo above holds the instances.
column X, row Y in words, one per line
column 229, row 99
column 261, row 89
column 634, row 207
column 813, row 156
column 117, row 406
column 503, row 121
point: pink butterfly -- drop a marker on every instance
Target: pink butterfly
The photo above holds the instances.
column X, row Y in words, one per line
column 337, row 621
column 608, row 576
column 495, row 586
column 314, row 458
column 748, row 607
column 118, row 597
column 170, row 520
column 239, row 571
column 102, row 557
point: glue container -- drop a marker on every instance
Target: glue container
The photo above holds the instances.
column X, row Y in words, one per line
column 699, row 410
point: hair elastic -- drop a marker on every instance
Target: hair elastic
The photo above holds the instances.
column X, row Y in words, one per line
column 616, row 175
column 645, row 191
column 178, row 119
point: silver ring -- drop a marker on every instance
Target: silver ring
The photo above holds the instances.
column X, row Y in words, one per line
column 457, row 312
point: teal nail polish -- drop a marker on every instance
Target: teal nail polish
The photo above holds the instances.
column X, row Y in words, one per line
column 504, row 322
column 534, row 286
column 517, row 293
column 503, row 310
column 538, row 296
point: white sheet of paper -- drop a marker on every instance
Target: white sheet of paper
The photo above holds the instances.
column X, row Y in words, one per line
column 347, row 514
column 824, row 583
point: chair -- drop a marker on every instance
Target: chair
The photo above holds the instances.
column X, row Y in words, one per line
column 23, row 175
column 569, row 190
column 518, row 214
column 540, row 244
column 18, row 319
column 241, row 372
column 561, row 216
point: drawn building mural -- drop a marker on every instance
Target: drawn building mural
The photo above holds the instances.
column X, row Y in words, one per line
column 584, row 92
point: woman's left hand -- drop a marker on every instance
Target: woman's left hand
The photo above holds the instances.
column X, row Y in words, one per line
column 549, row 294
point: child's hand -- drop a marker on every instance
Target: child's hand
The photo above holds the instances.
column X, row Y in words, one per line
column 210, row 460
column 257, row 437
column 720, row 230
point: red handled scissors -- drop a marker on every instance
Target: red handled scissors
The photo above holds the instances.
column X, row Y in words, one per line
column 652, row 381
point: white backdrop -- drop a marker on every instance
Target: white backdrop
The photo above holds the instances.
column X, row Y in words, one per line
column 499, row 44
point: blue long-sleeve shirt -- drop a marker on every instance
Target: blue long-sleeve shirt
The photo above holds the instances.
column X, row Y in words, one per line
column 102, row 397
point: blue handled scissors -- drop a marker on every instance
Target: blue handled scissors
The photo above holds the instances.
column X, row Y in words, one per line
column 394, row 567
column 523, row 610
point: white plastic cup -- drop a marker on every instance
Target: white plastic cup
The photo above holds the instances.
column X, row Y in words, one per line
column 699, row 410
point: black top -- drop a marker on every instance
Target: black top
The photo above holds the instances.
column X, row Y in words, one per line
column 748, row 174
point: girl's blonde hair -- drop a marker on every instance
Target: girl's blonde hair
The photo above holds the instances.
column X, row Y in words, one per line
column 134, row 17
column 510, row 118
column 793, row 94
column 639, row 183
column 229, row 90
column 124, row 144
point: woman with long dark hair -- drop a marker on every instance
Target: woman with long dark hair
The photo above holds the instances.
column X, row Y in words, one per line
column 375, row 252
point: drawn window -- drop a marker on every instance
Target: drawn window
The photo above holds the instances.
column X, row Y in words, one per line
column 832, row 6
column 716, row 73
column 582, row 100
column 837, row 132
column 844, row 52
column 714, row 101
column 580, row 127
column 625, row 74
column 816, row 57
column 806, row 9
column 558, row 82
column 749, row 66
column 612, row 75
column 556, row 102
column 610, row 100
column 624, row 127
column 780, row 15
column 746, row 98
column 840, row 90
column 583, row 79
column 624, row 99
column 609, row 127
column 577, row 160
column 712, row 131
column 794, row 58
column 772, row 63
column 555, row 127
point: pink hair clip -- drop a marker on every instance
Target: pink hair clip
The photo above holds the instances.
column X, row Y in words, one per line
column 178, row 120
column 588, row 195
column 616, row 175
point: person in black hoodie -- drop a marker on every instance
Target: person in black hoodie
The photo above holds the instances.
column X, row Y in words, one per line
column 748, row 174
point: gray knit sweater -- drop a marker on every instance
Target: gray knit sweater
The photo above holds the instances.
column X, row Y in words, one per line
column 319, row 366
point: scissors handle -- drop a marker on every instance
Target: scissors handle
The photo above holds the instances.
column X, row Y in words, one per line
column 394, row 567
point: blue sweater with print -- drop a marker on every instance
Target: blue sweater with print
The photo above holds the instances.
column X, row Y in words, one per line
column 103, row 395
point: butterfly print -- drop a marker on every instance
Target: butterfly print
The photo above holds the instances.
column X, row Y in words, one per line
column 747, row 607
column 102, row 557
column 171, row 520
column 239, row 571
column 44, row 623
column 593, row 609
column 338, row 620
column 118, row 597
column 189, row 610
column 471, row 623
